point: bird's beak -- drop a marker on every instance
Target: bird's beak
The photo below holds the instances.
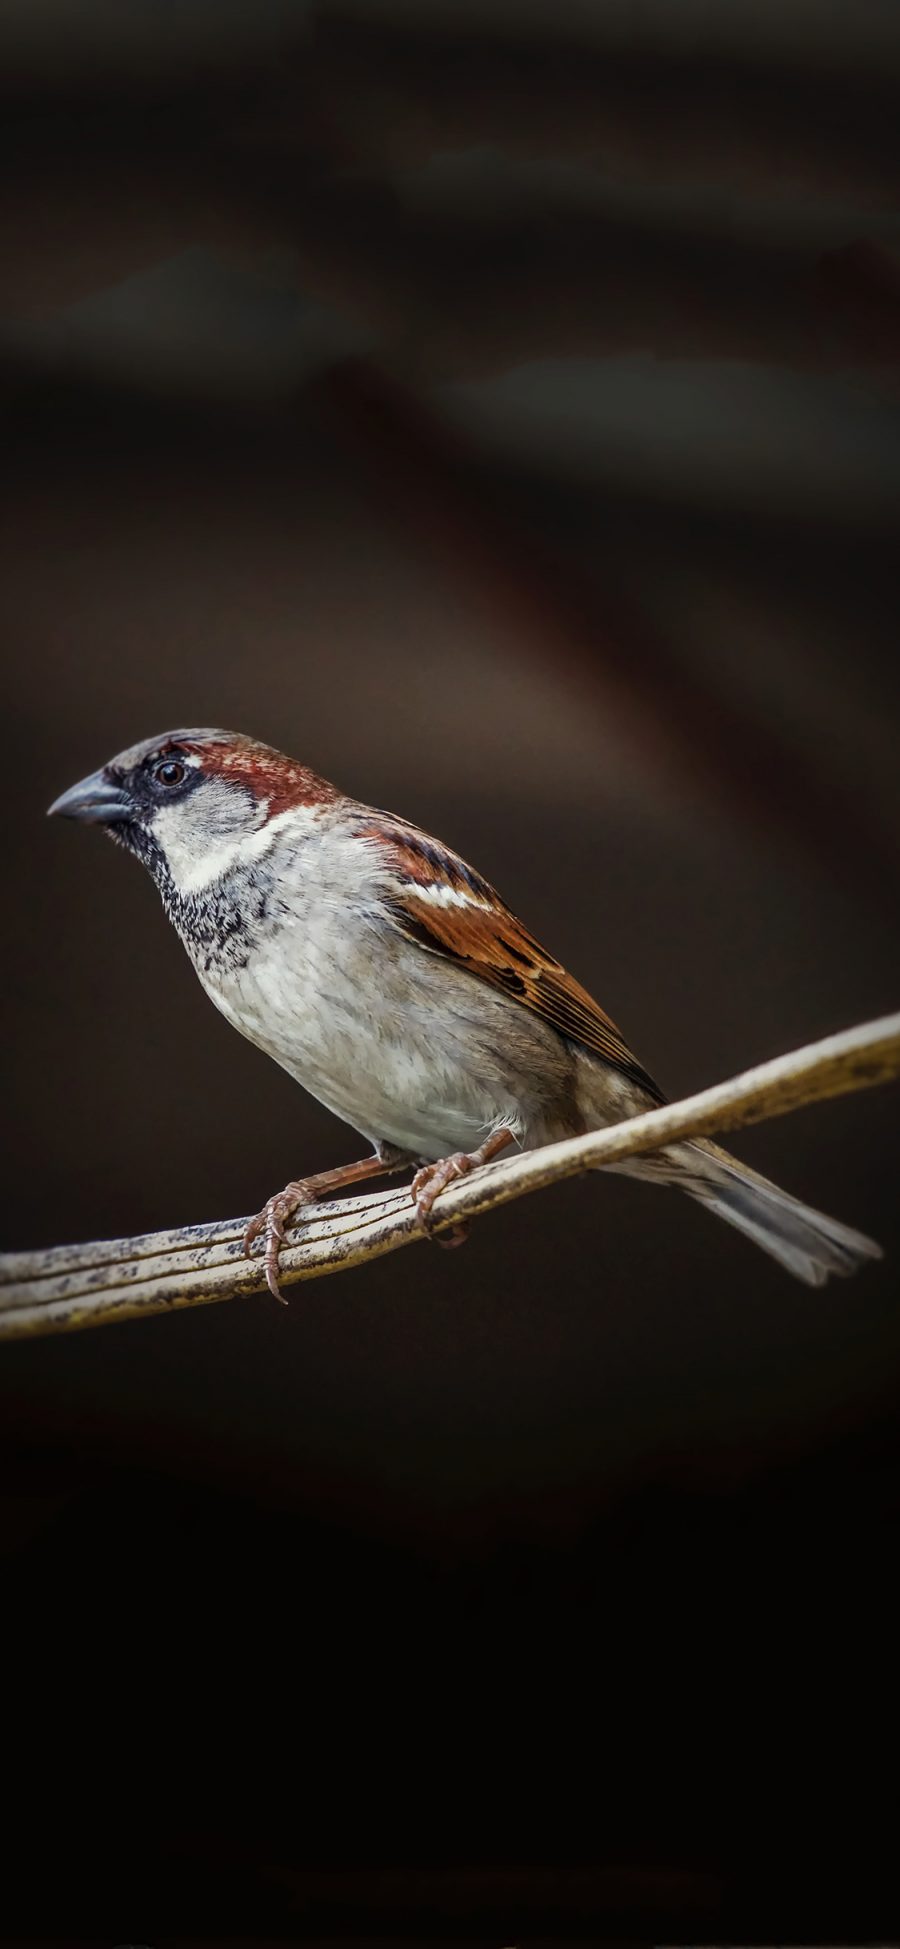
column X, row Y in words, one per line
column 96, row 801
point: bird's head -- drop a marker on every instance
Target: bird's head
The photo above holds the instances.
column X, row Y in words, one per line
column 194, row 804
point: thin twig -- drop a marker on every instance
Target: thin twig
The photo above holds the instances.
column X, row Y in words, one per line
column 85, row 1285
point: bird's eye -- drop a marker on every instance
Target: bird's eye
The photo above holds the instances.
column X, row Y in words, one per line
column 170, row 772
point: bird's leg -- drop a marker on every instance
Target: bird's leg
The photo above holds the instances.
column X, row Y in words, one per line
column 306, row 1191
column 432, row 1179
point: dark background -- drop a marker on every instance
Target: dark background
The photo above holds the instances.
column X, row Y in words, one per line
column 497, row 409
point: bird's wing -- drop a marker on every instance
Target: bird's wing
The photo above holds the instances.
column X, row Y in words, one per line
column 439, row 902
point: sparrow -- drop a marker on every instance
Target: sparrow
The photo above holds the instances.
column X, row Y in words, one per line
column 390, row 979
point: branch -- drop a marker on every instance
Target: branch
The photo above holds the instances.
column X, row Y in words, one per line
column 85, row 1285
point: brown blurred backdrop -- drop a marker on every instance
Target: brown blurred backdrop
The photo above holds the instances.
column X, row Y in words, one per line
column 498, row 410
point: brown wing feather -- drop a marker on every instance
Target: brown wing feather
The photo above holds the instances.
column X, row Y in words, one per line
column 474, row 928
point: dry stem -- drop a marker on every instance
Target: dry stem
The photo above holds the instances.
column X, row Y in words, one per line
column 85, row 1285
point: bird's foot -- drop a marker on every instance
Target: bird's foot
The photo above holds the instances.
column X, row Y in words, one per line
column 432, row 1179
column 428, row 1184
column 277, row 1211
column 271, row 1221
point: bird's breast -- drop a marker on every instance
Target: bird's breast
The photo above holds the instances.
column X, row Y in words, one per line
column 393, row 1039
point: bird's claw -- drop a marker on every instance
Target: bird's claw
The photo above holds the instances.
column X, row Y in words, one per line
column 272, row 1221
column 427, row 1186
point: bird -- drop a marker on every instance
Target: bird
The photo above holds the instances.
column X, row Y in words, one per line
column 390, row 979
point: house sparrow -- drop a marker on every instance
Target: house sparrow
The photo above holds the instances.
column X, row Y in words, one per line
column 390, row 979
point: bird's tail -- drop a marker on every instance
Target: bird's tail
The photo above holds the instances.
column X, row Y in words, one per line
column 804, row 1241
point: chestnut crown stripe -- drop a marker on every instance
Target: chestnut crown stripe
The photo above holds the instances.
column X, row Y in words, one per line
column 478, row 931
column 267, row 773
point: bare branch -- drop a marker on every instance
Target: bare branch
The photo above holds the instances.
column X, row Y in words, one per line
column 85, row 1285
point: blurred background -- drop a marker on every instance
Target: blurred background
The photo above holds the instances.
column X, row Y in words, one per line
column 498, row 409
